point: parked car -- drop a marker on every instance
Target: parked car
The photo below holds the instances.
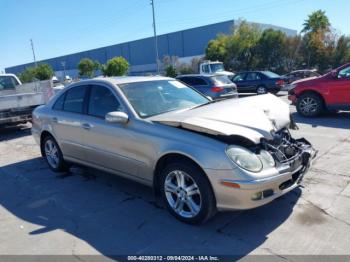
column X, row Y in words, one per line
column 328, row 92
column 18, row 100
column 300, row 74
column 199, row 155
column 214, row 86
column 260, row 82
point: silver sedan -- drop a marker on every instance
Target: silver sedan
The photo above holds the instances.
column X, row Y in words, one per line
column 199, row 155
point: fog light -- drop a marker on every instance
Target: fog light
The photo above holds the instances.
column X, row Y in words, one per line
column 257, row 196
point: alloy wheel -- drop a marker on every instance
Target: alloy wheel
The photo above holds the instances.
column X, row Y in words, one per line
column 51, row 153
column 182, row 194
column 261, row 90
column 308, row 105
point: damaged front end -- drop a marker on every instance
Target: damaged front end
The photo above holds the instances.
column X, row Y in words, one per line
column 291, row 155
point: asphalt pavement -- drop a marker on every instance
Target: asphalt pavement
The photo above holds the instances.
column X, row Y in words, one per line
column 90, row 212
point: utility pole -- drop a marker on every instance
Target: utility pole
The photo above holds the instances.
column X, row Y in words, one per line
column 31, row 42
column 155, row 36
column 63, row 63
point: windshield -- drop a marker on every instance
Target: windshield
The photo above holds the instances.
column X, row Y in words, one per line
column 271, row 74
column 221, row 80
column 156, row 97
column 217, row 67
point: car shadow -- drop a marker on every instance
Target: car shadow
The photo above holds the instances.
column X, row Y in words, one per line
column 116, row 216
column 334, row 120
column 13, row 132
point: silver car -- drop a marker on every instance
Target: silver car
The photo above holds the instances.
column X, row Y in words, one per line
column 199, row 155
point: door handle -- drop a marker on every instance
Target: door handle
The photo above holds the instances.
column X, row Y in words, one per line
column 54, row 120
column 86, row 126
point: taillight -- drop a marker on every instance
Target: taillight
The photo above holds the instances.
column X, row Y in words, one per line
column 217, row 89
column 280, row 82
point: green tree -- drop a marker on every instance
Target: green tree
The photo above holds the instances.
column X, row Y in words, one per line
column 170, row 71
column 317, row 21
column 291, row 57
column 28, row 75
column 242, row 47
column 116, row 66
column 217, row 48
column 342, row 51
column 86, row 67
column 43, row 72
column 270, row 49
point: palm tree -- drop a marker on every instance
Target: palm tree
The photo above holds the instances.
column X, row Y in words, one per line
column 317, row 21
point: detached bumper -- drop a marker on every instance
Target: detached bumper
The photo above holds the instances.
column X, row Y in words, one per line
column 255, row 193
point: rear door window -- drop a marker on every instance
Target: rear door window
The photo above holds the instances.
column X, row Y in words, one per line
column 74, row 101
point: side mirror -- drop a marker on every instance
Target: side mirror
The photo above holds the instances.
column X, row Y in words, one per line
column 334, row 73
column 117, row 117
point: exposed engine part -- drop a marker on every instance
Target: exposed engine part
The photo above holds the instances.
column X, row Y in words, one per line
column 283, row 147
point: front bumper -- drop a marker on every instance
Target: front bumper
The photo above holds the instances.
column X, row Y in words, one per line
column 293, row 99
column 289, row 177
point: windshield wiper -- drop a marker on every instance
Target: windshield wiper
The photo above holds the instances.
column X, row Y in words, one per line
column 207, row 103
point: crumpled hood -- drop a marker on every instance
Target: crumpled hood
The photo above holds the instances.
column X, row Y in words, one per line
column 252, row 117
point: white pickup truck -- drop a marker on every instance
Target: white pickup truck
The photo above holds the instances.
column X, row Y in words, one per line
column 18, row 100
column 214, row 67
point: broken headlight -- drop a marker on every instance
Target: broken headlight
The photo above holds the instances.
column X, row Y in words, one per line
column 244, row 158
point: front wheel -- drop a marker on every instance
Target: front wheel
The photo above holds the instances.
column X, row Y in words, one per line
column 309, row 105
column 187, row 193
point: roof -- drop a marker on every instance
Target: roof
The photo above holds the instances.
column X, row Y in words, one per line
column 197, row 75
column 131, row 79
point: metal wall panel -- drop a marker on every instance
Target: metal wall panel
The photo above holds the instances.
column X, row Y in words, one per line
column 141, row 52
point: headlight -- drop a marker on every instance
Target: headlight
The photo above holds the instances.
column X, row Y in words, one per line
column 244, row 158
column 267, row 158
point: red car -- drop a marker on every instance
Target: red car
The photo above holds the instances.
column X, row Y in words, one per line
column 328, row 92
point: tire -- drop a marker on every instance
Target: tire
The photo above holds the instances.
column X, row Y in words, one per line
column 53, row 155
column 310, row 105
column 196, row 208
column 261, row 90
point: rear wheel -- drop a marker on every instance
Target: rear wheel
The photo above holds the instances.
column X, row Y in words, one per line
column 187, row 192
column 309, row 105
column 260, row 90
column 53, row 155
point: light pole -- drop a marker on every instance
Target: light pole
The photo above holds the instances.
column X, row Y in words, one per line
column 63, row 63
column 155, row 36
column 31, row 43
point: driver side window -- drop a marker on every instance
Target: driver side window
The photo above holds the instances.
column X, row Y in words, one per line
column 102, row 101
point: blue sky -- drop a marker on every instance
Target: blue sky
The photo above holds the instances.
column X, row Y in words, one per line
column 68, row 26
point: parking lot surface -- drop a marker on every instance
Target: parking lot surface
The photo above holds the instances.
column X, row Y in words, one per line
column 90, row 212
